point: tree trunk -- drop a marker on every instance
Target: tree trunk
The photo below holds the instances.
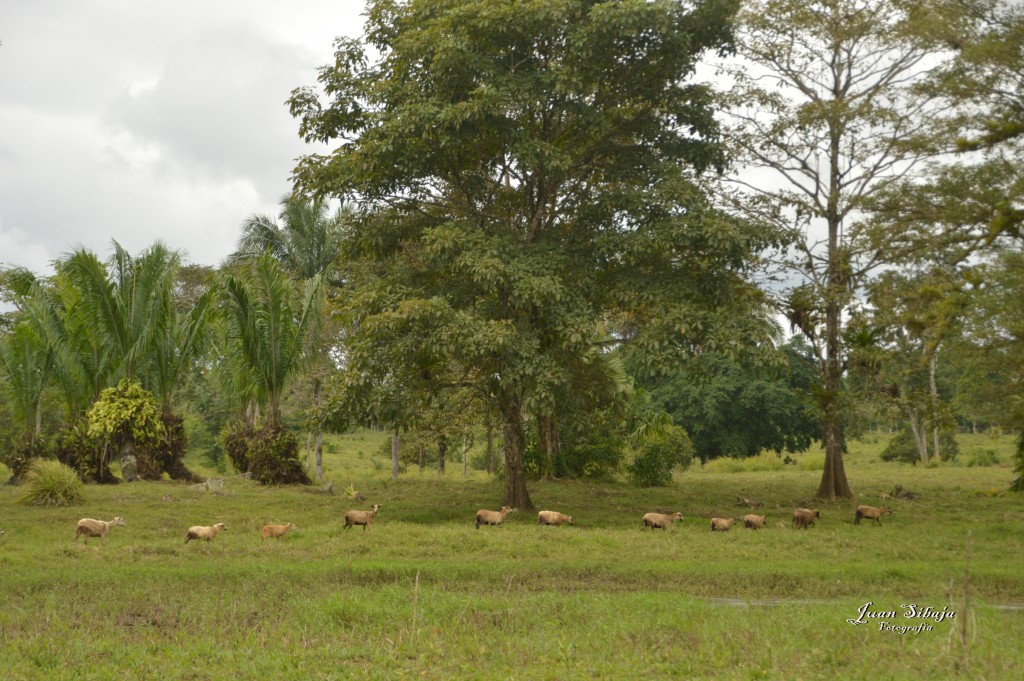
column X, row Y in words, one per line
column 833, row 478
column 490, row 448
column 547, row 431
column 423, row 460
column 516, row 495
column 932, row 363
column 318, row 450
column 394, row 455
column 442, row 449
column 917, row 428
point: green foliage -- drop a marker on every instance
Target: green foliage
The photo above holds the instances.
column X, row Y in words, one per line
column 234, row 442
column 5, row 474
column 271, row 324
column 51, row 483
column 985, row 457
column 20, row 456
column 902, row 447
column 659, row 455
column 127, row 419
column 733, row 409
column 274, row 457
column 82, row 453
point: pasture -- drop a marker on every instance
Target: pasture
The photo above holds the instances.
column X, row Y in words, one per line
column 422, row 594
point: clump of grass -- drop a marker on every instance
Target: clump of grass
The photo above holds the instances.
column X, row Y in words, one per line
column 984, row 457
column 765, row 461
column 51, row 483
column 5, row 473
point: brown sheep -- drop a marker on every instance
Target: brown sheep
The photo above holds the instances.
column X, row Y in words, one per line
column 87, row 527
column 203, row 532
column 754, row 522
column 662, row 520
column 485, row 517
column 276, row 531
column 553, row 518
column 871, row 513
column 364, row 518
column 803, row 517
column 721, row 524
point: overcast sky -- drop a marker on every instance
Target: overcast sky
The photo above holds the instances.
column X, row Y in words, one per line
column 139, row 121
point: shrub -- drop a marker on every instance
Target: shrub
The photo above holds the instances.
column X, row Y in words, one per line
column 236, row 445
column 274, row 457
column 127, row 419
column 5, row 474
column 51, row 483
column 80, row 452
column 653, row 466
column 984, row 457
column 20, row 458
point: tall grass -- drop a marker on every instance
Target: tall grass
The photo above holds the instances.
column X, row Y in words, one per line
column 51, row 483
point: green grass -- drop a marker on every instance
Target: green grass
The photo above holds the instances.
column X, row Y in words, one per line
column 423, row 594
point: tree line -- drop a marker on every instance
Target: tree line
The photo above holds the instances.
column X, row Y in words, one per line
column 554, row 233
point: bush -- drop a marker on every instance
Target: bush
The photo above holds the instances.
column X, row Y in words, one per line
column 51, row 483
column 20, row 458
column 5, row 474
column 274, row 457
column 236, row 445
column 902, row 447
column 985, row 457
column 653, row 466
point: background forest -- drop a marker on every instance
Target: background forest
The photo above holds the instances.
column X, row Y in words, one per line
column 547, row 236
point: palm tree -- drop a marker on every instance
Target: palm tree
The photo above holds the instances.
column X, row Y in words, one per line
column 25, row 363
column 306, row 239
column 272, row 325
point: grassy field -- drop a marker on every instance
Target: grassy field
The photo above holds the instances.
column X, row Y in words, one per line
column 425, row 595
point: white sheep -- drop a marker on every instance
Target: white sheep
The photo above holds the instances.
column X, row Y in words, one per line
column 553, row 518
column 88, row 527
column 203, row 532
column 364, row 518
column 485, row 517
column 662, row 520
column 276, row 531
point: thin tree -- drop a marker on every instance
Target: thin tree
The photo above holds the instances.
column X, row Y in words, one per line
column 823, row 106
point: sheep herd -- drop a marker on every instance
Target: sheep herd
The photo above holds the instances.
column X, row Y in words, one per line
column 802, row 519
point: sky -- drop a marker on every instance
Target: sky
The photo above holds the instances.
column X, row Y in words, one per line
column 143, row 121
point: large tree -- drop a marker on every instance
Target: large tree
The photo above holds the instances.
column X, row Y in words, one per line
column 824, row 106
column 528, row 170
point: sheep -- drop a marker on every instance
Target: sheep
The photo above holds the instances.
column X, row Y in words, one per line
column 276, row 531
column 661, row 520
column 721, row 524
column 802, row 517
column 364, row 518
column 201, row 532
column 87, row 527
column 754, row 522
column 553, row 518
column 485, row 517
column 871, row 513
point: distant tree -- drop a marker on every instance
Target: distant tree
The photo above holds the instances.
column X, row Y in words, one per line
column 732, row 409
column 825, row 103
column 526, row 172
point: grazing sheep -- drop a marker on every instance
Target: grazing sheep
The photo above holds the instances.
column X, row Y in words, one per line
column 662, row 520
column 87, row 527
column 721, row 524
column 276, row 531
column 754, row 522
column 364, row 518
column 485, row 517
column 803, row 517
column 201, row 532
column 553, row 518
column 871, row 513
